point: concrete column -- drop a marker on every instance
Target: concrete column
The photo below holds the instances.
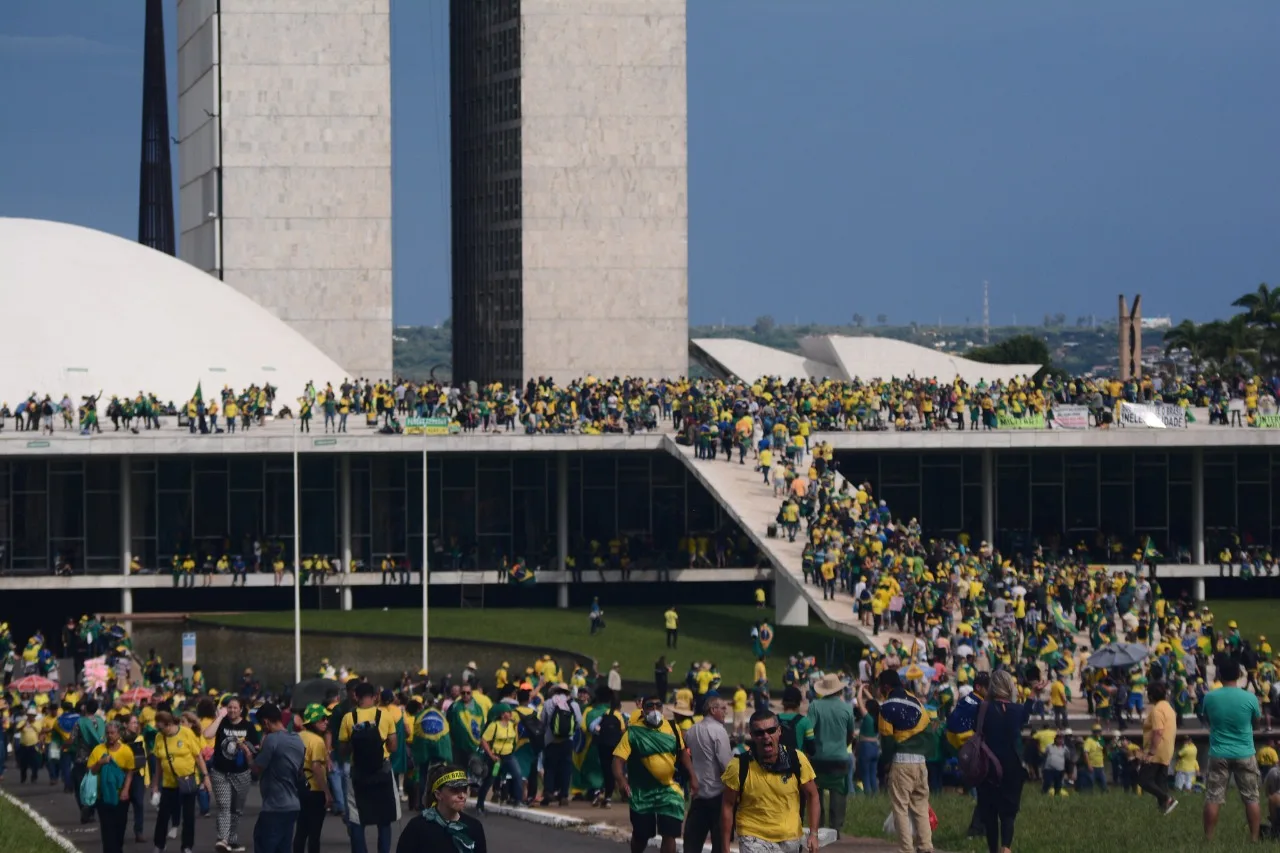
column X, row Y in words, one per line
column 126, row 516
column 1197, row 512
column 562, row 526
column 989, row 496
column 344, row 522
column 126, row 538
column 790, row 607
column 1197, row 590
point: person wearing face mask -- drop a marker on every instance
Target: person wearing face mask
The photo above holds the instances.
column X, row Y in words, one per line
column 442, row 825
column 644, row 767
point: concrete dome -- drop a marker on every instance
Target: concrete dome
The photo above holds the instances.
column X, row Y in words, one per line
column 85, row 311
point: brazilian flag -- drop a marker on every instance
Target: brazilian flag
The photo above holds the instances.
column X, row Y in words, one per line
column 199, row 395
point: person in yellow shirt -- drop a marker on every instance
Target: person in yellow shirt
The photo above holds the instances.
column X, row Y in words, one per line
column 499, row 741
column 1058, row 702
column 27, row 727
column 112, row 762
column 1095, row 759
column 765, row 804
column 177, row 752
column 672, row 620
column 1267, row 757
column 1184, row 776
column 317, row 799
column 740, row 711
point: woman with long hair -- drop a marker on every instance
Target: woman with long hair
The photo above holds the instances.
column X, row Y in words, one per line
column 230, row 773
column 442, row 826
column 999, row 800
column 177, row 752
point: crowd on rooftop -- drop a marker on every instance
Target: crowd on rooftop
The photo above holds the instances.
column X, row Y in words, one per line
column 594, row 406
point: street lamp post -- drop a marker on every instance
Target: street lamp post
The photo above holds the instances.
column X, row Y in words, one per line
column 297, row 566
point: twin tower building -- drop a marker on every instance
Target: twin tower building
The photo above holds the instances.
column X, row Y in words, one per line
column 568, row 128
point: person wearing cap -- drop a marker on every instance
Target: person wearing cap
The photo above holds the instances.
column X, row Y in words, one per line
column 443, row 826
column 1095, row 760
column 316, row 799
column 278, row 764
column 831, row 719
column 562, row 719
column 499, row 743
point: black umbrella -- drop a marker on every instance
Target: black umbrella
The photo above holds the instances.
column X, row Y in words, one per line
column 320, row 690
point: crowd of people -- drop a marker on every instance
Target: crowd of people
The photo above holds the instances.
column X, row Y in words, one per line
column 595, row 405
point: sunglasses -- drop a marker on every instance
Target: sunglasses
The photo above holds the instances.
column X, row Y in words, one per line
column 772, row 730
column 653, row 706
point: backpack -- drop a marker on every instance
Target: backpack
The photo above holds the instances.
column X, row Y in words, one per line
column 610, row 732
column 563, row 723
column 533, row 729
column 744, row 770
column 976, row 762
column 366, row 743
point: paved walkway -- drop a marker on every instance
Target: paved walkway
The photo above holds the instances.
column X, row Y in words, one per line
column 502, row 833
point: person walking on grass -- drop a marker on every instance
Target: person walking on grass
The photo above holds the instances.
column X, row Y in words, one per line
column 1231, row 714
column 765, row 791
column 904, row 738
column 1159, row 736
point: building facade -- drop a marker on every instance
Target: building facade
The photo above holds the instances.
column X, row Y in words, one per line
column 284, row 124
column 570, row 188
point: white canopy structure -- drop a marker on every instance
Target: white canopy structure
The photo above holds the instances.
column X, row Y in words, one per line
column 841, row 357
column 87, row 312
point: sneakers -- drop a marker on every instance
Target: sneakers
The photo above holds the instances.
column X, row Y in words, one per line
column 1173, row 804
column 221, row 846
column 237, row 847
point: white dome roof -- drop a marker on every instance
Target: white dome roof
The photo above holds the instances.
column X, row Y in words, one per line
column 85, row 311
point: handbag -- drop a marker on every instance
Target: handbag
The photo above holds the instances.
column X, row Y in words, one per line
column 186, row 784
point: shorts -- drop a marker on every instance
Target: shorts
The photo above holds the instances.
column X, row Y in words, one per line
column 1221, row 770
column 645, row 825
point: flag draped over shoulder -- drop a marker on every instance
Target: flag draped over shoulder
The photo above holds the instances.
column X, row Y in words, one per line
column 1060, row 620
column 902, row 717
column 961, row 722
column 588, row 773
column 649, row 794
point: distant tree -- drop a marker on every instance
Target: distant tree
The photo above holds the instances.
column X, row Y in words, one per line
column 764, row 325
column 1082, row 322
column 1188, row 336
column 859, row 321
column 882, row 319
column 1020, row 349
column 1048, row 321
column 1059, row 319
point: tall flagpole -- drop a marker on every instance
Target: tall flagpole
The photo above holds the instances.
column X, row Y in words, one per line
column 426, row 546
column 297, row 565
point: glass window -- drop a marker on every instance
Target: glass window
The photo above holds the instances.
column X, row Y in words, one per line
column 29, row 475
column 531, row 532
column 389, row 532
column 66, row 506
column 102, row 475
column 30, row 531
column 701, row 508
column 175, row 521
column 1046, row 467
column 599, row 470
column 668, row 518
column 1150, row 497
column 1116, row 467
column 319, row 471
column 494, row 493
column 245, row 472
column 246, row 515
column 1082, row 498
column 1046, row 513
column 904, row 501
column 360, row 498
column 459, row 471
column 278, row 505
column 102, row 530
column 459, row 515
column 1254, row 512
column 211, row 505
column 972, row 468
column 1179, row 518
column 1117, row 510
column 174, row 474
column 972, row 523
column 1180, row 467
column 1012, row 498
column 142, row 503
column 319, row 522
column 899, row 469
column 388, row 472
column 599, row 514
column 1253, row 466
column 1219, row 497
column 633, row 508
column 529, row 471
column 413, row 506
column 666, row 470
column 940, row 500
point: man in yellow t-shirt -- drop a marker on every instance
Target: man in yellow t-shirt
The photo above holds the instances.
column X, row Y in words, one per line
column 499, row 741
column 372, row 799
column 1095, row 757
column 740, row 711
column 1058, row 702
column 769, row 803
column 672, row 620
column 367, row 711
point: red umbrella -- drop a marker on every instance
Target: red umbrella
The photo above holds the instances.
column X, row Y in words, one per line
column 32, row 684
column 137, row 694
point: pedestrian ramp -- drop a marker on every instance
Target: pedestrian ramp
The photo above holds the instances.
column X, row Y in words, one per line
column 743, row 494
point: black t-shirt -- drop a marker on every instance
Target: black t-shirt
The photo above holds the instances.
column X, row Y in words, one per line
column 422, row 835
column 227, row 757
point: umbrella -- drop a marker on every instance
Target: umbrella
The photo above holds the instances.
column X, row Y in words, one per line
column 32, row 684
column 1118, row 655
column 314, row 690
column 137, row 694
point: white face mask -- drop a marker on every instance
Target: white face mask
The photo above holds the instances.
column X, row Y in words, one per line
column 653, row 718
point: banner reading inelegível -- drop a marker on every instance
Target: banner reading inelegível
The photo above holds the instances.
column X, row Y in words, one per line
column 1153, row 416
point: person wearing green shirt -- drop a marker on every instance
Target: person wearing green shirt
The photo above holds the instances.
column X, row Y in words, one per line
column 1231, row 713
column 791, row 719
column 831, row 720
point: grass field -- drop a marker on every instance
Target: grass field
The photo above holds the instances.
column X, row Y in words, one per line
column 20, row 833
column 634, row 636
column 1256, row 616
column 1085, row 823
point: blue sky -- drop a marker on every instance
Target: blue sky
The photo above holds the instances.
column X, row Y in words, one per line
column 879, row 157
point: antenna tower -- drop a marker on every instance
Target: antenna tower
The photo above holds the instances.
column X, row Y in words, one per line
column 986, row 313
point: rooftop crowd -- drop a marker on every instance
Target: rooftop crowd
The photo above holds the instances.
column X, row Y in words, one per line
column 594, row 406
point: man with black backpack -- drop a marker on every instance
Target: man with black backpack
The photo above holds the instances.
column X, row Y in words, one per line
column 562, row 719
column 763, row 792
column 366, row 738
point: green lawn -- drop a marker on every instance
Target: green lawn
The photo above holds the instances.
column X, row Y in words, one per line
column 20, row 832
column 1256, row 616
column 1111, row 823
column 634, row 636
